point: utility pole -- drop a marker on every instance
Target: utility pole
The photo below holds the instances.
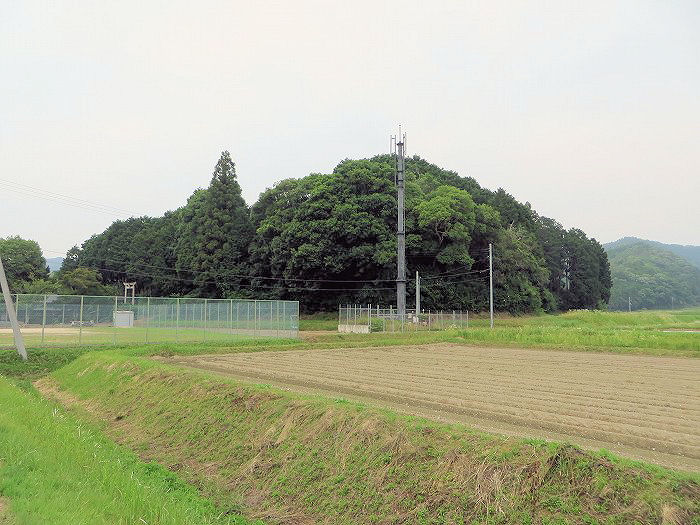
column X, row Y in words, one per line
column 629, row 304
column 398, row 144
column 19, row 342
column 417, row 294
column 491, row 281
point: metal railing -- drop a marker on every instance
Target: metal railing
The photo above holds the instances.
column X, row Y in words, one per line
column 50, row 320
column 369, row 318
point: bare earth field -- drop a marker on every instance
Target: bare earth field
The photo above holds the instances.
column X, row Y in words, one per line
column 641, row 407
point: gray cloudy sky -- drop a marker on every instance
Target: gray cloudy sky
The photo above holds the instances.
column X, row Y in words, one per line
column 589, row 110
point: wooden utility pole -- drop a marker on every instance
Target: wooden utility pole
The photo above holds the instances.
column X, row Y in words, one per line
column 19, row 342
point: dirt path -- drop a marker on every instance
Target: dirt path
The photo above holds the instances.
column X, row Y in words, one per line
column 639, row 406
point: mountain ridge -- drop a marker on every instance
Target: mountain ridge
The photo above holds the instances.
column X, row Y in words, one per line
column 647, row 276
column 689, row 252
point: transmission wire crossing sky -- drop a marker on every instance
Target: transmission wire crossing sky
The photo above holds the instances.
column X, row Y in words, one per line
column 587, row 110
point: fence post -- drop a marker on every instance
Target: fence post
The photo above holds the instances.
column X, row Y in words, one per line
column 467, row 319
column 177, row 320
column 369, row 317
column 114, row 322
column 255, row 318
column 204, row 318
column 43, row 321
column 80, row 326
column 148, row 315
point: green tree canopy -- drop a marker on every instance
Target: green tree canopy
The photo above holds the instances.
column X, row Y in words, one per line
column 23, row 262
column 84, row 281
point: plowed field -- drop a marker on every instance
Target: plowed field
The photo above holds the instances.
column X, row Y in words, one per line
column 642, row 407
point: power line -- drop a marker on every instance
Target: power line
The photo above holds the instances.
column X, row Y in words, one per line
column 440, row 276
column 176, row 278
column 31, row 191
column 453, row 283
column 226, row 273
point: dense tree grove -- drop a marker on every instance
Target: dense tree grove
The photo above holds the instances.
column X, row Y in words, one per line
column 327, row 239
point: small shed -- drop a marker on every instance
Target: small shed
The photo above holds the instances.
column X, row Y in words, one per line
column 123, row 319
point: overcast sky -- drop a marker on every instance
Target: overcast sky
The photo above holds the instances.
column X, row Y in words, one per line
column 588, row 110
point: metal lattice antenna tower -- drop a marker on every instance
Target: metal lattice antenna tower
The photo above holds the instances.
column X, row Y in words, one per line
column 398, row 150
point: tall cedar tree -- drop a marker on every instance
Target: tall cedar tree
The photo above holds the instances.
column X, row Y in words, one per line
column 216, row 235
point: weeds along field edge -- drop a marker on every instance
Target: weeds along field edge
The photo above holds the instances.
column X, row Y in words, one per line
column 56, row 468
column 318, row 458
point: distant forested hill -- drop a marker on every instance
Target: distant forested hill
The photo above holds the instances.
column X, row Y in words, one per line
column 689, row 252
column 54, row 263
column 651, row 277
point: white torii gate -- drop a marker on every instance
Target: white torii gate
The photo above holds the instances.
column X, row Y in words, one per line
column 132, row 287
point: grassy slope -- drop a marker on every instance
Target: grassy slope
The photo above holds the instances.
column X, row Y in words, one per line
column 302, row 457
column 55, row 469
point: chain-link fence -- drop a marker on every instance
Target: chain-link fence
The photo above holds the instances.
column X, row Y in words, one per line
column 369, row 318
column 87, row 320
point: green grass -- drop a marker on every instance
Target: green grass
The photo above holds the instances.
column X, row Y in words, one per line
column 588, row 338
column 108, row 335
column 319, row 321
column 56, row 469
column 641, row 320
column 330, row 460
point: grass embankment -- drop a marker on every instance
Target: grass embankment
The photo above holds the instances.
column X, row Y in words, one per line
column 56, row 469
column 297, row 458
